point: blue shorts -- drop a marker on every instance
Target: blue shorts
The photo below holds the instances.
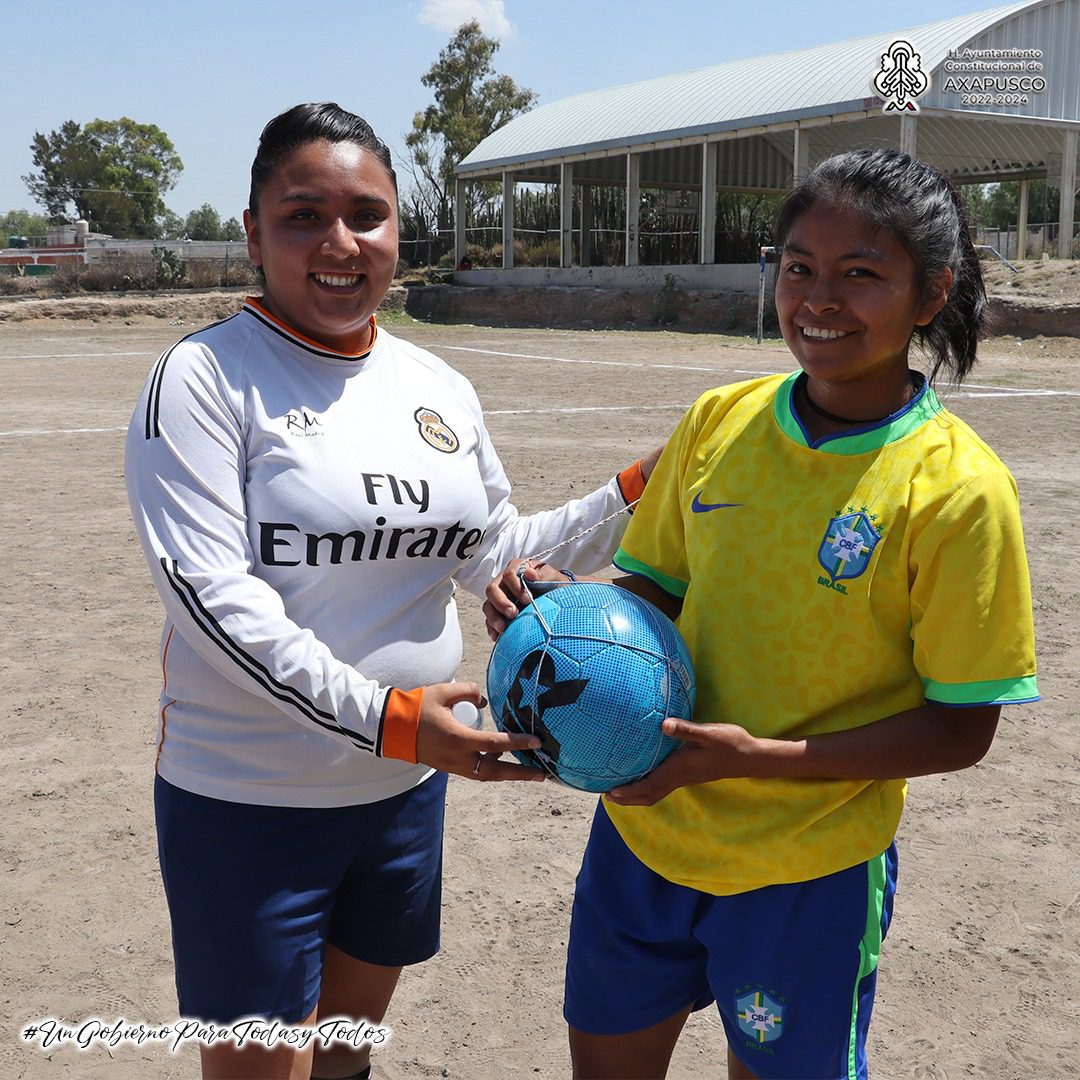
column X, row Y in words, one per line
column 792, row 968
column 256, row 892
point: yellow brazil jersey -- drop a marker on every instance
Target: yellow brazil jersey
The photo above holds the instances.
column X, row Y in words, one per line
column 825, row 585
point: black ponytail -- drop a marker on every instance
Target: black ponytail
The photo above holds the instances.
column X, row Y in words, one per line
column 924, row 211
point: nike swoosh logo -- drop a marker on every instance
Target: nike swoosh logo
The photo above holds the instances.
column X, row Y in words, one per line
column 703, row 508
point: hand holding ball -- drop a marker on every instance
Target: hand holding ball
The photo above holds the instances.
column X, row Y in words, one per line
column 592, row 670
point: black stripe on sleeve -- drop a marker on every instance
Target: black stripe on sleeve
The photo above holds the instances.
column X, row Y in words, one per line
column 382, row 722
column 257, row 671
column 153, row 401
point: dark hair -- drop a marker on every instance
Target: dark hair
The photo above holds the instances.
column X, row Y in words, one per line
column 923, row 210
column 309, row 123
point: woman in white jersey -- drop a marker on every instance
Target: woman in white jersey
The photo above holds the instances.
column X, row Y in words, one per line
column 845, row 558
column 308, row 489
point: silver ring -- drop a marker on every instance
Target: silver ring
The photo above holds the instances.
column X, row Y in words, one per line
column 479, row 762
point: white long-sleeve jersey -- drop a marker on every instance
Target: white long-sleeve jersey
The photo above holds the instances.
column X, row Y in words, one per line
column 305, row 515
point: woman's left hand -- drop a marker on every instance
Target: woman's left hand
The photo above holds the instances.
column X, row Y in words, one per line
column 648, row 462
column 709, row 752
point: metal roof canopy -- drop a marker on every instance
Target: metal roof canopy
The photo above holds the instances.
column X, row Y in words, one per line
column 762, row 120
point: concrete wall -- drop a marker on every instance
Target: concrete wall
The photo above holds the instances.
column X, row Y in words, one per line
column 584, row 308
column 734, row 277
column 107, row 247
column 691, row 311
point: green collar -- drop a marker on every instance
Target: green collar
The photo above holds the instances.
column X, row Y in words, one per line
column 859, row 440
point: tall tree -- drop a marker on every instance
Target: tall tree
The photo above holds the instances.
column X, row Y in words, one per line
column 171, row 226
column 231, row 229
column 22, row 223
column 471, row 101
column 203, row 224
column 997, row 206
column 114, row 173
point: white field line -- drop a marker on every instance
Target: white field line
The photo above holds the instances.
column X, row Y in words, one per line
column 971, row 390
column 1004, row 392
column 599, row 363
column 991, row 391
column 78, row 356
column 678, row 406
column 62, row 431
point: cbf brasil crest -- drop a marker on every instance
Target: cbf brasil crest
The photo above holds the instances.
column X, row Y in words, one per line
column 848, row 544
column 759, row 1016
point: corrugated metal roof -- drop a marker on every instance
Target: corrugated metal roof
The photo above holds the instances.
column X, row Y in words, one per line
column 779, row 87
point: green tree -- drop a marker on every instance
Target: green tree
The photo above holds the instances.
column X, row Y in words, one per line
column 471, row 101
column 974, row 196
column 22, row 223
column 232, row 230
column 743, row 224
column 114, row 173
column 997, row 206
column 171, row 226
column 203, row 224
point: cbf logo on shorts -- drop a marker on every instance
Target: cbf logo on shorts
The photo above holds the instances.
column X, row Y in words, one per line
column 848, row 543
column 759, row 1016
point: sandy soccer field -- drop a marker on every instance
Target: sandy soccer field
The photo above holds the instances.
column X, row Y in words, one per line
column 980, row 974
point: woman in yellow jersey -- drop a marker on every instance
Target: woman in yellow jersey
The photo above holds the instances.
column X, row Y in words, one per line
column 845, row 560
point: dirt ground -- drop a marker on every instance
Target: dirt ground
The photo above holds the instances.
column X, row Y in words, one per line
column 981, row 970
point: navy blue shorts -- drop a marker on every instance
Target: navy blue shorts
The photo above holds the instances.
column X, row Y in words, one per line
column 792, row 968
column 256, row 892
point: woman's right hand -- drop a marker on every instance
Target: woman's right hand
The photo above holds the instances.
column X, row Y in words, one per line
column 450, row 746
column 507, row 594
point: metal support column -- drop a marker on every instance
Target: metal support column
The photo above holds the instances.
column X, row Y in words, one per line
column 1022, row 221
column 633, row 206
column 566, row 213
column 459, row 220
column 908, row 133
column 508, row 220
column 801, row 154
column 1066, row 214
column 707, row 210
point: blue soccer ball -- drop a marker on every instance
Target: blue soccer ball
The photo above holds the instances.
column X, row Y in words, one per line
column 592, row 670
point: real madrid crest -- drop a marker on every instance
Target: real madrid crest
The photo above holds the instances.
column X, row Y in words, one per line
column 434, row 431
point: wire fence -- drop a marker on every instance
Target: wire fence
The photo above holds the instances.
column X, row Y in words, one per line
column 1041, row 240
column 542, row 247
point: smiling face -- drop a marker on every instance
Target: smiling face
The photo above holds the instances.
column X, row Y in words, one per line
column 325, row 233
column 848, row 298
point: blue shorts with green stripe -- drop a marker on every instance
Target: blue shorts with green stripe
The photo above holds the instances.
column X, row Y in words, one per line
column 792, row 968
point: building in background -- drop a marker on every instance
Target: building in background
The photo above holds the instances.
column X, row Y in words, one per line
column 986, row 97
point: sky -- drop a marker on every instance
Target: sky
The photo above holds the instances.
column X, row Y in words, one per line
column 211, row 73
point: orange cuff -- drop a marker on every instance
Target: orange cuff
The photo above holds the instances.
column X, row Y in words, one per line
column 400, row 723
column 631, row 483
